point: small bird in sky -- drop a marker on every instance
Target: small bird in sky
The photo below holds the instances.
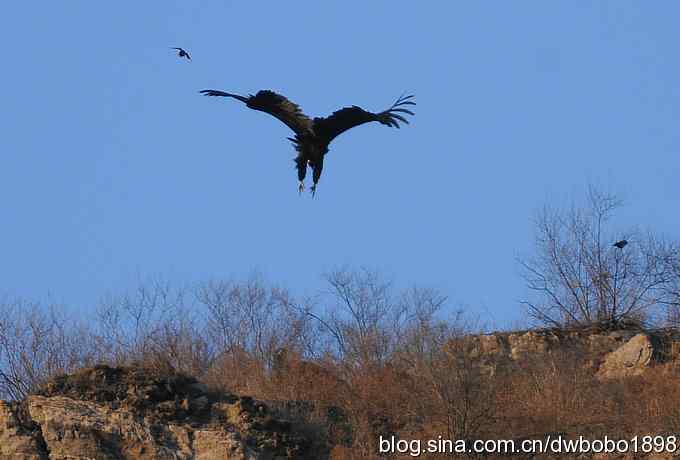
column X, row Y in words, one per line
column 181, row 52
column 620, row 244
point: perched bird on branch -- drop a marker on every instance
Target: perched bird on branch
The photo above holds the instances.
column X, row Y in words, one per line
column 620, row 244
column 181, row 52
column 312, row 136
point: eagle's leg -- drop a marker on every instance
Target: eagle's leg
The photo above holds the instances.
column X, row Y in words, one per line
column 317, row 167
column 301, row 166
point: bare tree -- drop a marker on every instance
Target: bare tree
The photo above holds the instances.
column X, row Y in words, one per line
column 128, row 325
column 456, row 393
column 582, row 278
column 367, row 320
column 669, row 256
column 37, row 343
column 181, row 342
column 253, row 318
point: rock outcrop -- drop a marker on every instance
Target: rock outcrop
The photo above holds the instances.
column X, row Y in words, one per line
column 130, row 413
column 609, row 353
column 629, row 359
column 19, row 439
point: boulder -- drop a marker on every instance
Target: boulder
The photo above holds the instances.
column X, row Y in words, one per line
column 629, row 359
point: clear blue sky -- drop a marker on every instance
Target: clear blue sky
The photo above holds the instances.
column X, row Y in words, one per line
column 113, row 167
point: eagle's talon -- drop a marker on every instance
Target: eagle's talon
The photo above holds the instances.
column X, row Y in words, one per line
column 301, row 188
column 313, row 190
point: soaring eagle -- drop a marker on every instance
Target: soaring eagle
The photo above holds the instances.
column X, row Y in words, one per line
column 312, row 136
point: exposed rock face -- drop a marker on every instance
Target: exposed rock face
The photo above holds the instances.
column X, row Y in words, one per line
column 611, row 353
column 630, row 359
column 530, row 343
column 18, row 440
column 126, row 413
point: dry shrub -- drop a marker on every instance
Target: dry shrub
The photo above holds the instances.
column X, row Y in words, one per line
column 653, row 399
column 547, row 391
column 297, row 379
column 237, row 371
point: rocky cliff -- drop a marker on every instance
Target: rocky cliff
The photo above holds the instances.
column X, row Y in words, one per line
column 131, row 413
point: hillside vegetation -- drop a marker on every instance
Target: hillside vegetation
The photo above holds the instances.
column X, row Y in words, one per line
column 361, row 360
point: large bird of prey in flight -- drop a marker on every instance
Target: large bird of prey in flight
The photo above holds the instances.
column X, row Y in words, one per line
column 313, row 135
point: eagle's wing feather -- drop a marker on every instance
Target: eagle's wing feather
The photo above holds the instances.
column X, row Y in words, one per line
column 330, row 127
column 274, row 104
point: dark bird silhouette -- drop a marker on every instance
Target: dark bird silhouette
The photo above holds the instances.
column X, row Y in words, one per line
column 181, row 52
column 312, row 136
column 620, row 244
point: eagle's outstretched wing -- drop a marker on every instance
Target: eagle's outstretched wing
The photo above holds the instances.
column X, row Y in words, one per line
column 273, row 104
column 332, row 126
